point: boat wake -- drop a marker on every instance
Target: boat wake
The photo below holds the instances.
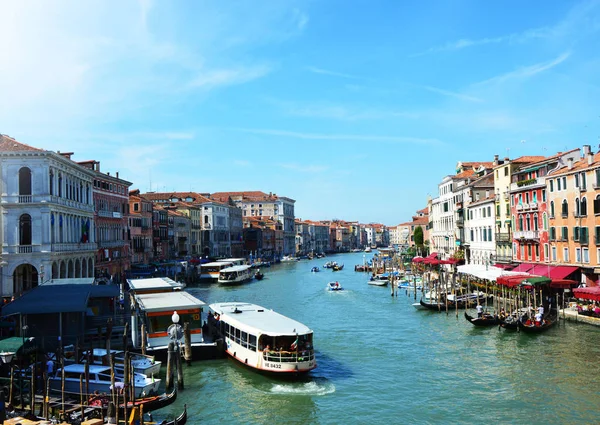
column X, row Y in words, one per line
column 304, row 388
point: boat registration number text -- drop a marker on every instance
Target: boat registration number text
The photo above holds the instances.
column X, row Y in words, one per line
column 273, row 365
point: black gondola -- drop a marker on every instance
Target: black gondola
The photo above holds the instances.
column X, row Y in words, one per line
column 532, row 328
column 433, row 306
column 258, row 275
column 337, row 267
column 149, row 403
column 508, row 325
column 180, row 420
column 485, row 320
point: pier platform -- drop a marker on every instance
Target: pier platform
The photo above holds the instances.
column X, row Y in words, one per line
column 571, row 314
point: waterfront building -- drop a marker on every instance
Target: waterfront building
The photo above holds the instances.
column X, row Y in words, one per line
column 503, row 171
column 111, row 213
column 479, row 220
column 263, row 238
column 447, row 208
column 304, row 241
column 260, row 204
column 179, row 240
column 394, row 235
column 140, row 227
column 573, row 196
column 160, row 233
column 47, row 214
column 319, row 232
column 194, row 213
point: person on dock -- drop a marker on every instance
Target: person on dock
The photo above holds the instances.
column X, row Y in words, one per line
column 479, row 310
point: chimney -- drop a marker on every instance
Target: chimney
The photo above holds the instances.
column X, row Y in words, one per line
column 117, row 174
column 586, row 150
column 590, row 158
column 98, row 166
column 570, row 163
column 495, row 159
column 108, row 174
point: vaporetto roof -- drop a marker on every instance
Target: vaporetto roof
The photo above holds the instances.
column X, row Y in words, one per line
column 177, row 300
column 257, row 319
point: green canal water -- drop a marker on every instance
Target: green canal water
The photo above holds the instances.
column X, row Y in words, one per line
column 380, row 361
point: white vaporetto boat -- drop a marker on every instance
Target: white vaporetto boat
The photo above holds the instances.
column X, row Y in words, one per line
column 263, row 339
column 236, row 274
column 146, row 365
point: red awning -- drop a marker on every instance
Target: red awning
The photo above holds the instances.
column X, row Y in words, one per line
column 591, row 293
column 541, row 270
column 523, row 268
column 511, row 280
column 432, row 255
column 561, row 272
column 418, row 260
column 504, row 266
column 562, row 283
column 431, row 261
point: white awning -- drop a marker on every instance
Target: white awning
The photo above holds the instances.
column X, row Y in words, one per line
column 485, row 272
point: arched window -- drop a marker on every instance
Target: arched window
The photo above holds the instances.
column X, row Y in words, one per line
column 51, row 177
column 577, row 207
column 25, row 229
column 520, row 223
column 545, row 218
column 535, row 222
column 583, row 208
column 528, row 222
column 24, row 181
column 565, row 208
column 551, row 208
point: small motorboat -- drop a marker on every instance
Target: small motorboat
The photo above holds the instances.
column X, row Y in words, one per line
column 334, row 286
column 379, row 280
column 315, row 269
column 258, row 275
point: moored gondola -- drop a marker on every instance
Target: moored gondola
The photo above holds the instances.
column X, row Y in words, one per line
column 485, row 320
column 530, row 326
column 509, row 325
column 433, row 306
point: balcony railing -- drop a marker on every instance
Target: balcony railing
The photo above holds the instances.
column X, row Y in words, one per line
column 25, row 199
column 564, row 214
column 65, row 247
column 112, row 244
column 527, row 234
column 503, row 258
column 519, row 207
column 527, row 182
column 503, row 237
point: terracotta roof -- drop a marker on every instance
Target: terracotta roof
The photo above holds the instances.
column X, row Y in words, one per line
column 464, row 174
column 486, row 164
column 580, row 165
column 197, row 198
column 421, row 220
column 8, row 144
column 250, row 195
column 530, row 158
column 423, row 211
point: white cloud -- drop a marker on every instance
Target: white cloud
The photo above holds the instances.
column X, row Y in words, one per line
column 526, row 71
column 449, row 93
column 227, row 77
column 301, row 18
column 339, row 137
column 322, row 71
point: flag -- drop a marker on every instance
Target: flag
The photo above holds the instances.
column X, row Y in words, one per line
column 294, row 344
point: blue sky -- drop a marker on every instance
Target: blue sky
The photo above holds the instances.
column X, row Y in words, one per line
column 355, row 109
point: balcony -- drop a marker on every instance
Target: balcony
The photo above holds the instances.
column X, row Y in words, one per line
column 531, row 206
column 111, row 244
column 109, row 214
column 22, row 249
column 527, row 182
column 596, row 185
column 25, row 199
column 66, row 247
column 460, row 221
column 564, row 214
column 503, row 258
column 527, row 234
column 503, row 237
column 519, row 207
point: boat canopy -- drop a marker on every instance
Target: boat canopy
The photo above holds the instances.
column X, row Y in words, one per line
column 259, row 319
column 169, row 301
column 154, row 284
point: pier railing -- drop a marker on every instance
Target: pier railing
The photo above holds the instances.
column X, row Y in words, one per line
column 289, row 356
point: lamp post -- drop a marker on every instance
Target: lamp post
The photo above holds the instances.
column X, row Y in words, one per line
column 175, row 332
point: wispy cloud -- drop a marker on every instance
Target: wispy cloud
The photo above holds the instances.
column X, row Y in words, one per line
column 300, row 18
column 341, row 112
column 304, row 168
column 227, row 77
column 456, row 95
column 526, row 71
column 241, row 163
column 339, row 137
column 322, row 71
column 579, row 20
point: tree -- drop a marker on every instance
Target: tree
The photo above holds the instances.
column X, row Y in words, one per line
column 418, row 238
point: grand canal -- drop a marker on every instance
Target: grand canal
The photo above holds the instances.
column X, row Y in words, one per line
column 380, row 361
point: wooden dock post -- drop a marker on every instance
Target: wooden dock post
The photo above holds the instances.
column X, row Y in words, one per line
column 187, row 337
column 144, row 339
column 178, row 362
column 169, row 378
